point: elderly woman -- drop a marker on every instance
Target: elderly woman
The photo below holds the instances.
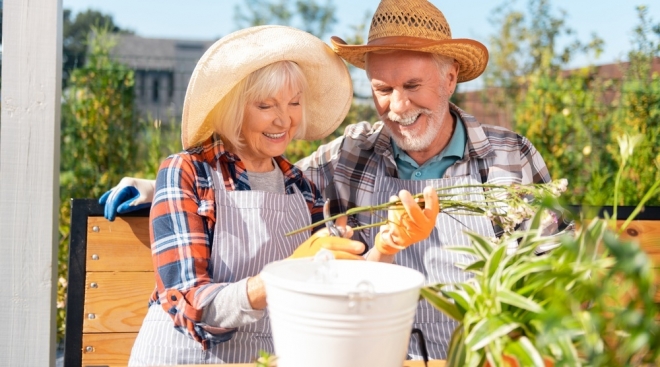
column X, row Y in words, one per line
column 222, row 207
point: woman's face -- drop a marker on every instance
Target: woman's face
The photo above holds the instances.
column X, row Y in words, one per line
column 269, row 125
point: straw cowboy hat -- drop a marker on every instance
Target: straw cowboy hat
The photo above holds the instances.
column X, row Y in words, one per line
column 235, row 56
column 415, row 25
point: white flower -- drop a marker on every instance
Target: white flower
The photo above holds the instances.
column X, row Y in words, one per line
column 494, row 240
column 548, row 218
column 557, row 187
column 586, row 150
column 566, row 112
column 627, row 145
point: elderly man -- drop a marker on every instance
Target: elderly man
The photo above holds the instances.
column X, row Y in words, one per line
column 413, row 65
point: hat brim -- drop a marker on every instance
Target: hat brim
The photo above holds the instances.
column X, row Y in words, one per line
column 471, row 55
column 237, row 55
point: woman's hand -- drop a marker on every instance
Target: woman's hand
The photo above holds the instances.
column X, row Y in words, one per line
column 341, row 247
column 129, row 195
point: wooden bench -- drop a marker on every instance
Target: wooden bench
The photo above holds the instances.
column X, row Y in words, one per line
column 111, row 279
column 645, row 229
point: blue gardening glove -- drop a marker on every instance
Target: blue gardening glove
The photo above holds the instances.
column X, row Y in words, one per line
column 129, row 195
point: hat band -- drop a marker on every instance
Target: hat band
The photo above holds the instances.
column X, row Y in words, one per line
column 399, row 41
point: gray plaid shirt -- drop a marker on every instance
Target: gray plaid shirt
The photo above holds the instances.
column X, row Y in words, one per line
column 344, row 169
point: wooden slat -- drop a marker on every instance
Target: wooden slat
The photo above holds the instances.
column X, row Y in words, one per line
column 114, row 350
column 119, row 301
column 647, row 234
column 122, row 245
column 110, row 350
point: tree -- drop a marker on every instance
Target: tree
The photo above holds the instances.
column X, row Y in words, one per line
column 637, row 111
column 307, row 15
column 99, row 135
column 575, row 117
column 528, row 41
column 75, row 34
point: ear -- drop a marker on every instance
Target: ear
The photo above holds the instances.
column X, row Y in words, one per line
column 452, row 77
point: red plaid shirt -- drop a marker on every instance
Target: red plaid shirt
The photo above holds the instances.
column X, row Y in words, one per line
column 182, row 223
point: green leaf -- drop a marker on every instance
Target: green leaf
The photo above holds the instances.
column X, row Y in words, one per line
column 461, row 299
column 489, row 329
column 442, row 304
column 463, row 250
column 477, row 265
column 525, row 352
column 516, row 300
column 494, row 264
column 569, row 352
column 519, row 271
column 470, row 289
column 456, row 351
column 481, row 244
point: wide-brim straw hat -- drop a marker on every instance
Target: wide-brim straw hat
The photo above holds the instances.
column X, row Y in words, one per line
column 233, row 57
column 415, row 25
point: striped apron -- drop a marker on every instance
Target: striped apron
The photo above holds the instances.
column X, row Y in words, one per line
column 249, row 234
column 429, row 256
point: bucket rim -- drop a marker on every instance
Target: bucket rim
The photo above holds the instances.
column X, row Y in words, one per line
column 303, row 287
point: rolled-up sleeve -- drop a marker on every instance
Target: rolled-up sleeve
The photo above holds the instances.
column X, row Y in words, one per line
column 181, row 222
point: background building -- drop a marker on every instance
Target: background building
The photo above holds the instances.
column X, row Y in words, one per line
column 162, row 70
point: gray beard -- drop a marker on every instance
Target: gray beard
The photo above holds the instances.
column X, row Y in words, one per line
column 417, row 141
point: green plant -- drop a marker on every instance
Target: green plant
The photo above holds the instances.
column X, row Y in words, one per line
column 266, row 359
column 589, row 302
column 574, row 305
column 100, row 134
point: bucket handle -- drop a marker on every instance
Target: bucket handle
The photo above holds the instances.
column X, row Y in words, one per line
column 364, row 293
column 422, row 345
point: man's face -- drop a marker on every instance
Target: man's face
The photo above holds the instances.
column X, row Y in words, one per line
column 411, row 96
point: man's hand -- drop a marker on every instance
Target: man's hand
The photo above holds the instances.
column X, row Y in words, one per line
column 131, row 194
column 408, row 225
column 341, row 247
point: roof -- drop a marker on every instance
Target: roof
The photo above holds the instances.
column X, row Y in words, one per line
column 614, row 70
column 142, row 53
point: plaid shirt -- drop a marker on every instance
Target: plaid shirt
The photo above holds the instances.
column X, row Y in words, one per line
column 344, row 169
column 182, row 223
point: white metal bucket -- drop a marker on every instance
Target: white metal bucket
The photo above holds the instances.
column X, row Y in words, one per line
column 360, row 316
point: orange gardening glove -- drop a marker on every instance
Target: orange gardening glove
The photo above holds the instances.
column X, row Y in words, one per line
column 341, row 248
column 408, row 225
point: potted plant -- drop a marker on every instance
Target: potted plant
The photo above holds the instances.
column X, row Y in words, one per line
column 588, row 302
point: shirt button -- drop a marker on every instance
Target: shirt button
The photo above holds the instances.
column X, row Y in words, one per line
column 418, row 174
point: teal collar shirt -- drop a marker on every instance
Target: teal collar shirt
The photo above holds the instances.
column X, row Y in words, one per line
column 435, row 167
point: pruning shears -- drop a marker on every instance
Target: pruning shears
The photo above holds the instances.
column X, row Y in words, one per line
column 330, row 225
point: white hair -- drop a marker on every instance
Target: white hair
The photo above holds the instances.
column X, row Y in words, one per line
column 227, row 116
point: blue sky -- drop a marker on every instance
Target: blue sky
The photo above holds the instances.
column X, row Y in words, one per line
column 612, row 20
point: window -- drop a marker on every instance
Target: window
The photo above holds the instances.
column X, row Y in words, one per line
column 155, row 90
